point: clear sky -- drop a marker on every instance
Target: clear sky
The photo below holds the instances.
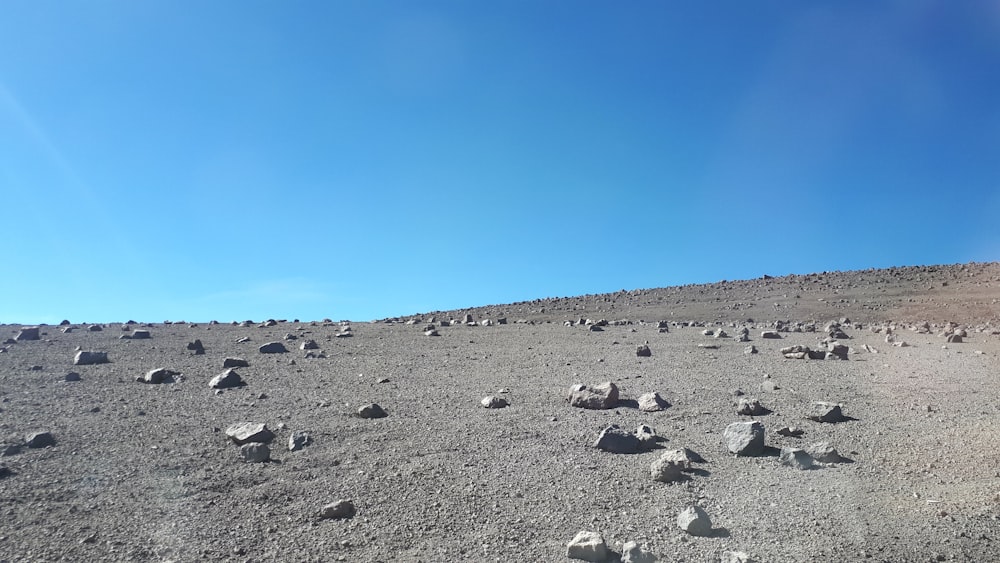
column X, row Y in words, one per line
column 230, row 160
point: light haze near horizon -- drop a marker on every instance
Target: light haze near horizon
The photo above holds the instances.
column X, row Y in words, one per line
column 357, row 160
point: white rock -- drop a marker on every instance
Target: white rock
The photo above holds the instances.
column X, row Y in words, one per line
column 632, row 553
column 587, row 546
column 695, row 521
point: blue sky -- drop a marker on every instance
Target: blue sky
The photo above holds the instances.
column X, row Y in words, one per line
column 245, row 159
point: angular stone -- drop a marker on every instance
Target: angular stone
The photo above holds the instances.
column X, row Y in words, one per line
column 838, row 350
column 235, row 363
column 273, row 348
column 647, row 437
column 821, row 411
column 588, row 546
column 89, row 357
column 39, row 440
column 632, row 553
column 372, row 410
column 695, row 521
column 823, row 452
column 668, row 468
column 770, row 334
column 27, row 333
column 197, row 347
column 735, row 557
column 643, row 351
column 751, row 349
column 156, row 376
column 338, row 510
column 603, row 396
column 72, row 376
column 749, row 407
column 795, row 457
column 616, row 440
column 494, row 402
column 141, row 335
column 790, row 431
column 298, row 440
column 745, row 438
column 255, row 452
column 226, row 380
column 652, row 402
column 309, row 345
column 246, row 432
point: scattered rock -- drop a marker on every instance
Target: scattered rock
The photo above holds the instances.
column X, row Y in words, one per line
column 588, row 546
column 695, row 521
column 255, row 452
column 643, row 351
column 838, row 350
column 770, row 334
column 141, row 335
column 668, row 467
column 647, row 437
column 247, row 432
column 156, row 376
column 602, row 396
column 89, row 357
column 823, row 452
column 750, row 407
column 338, row 510
column 632, row 553
column 27, row 333
column 652, row 402
column 822, row 411
column 745, row 438
column 71, row 376
column 235, row 363
column 751, row 349
column 309, row 345
column 735, row 557
column 494, row 402
column 226, row 380
column 298, row 440
column 273, row 348
column 39, row 440
column 795, row 457
column 956, row 338
column 372, row 410
column 95, row 328
column 616, row 440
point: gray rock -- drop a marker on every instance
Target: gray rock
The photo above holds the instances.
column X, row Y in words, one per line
column 89, row 357
column 338, row 510
column 668, row 468
column 27, row 333
column 749, row 407
column 494, row 402
column 227, row 380
column 141, row 335
column 745, row 438
column 751, row 349
column 602, row 396
column 643, row 351
column 273, row 348
column 795, row 457
column 255, row 452
column 770, row 334
column 372, row 410
column 247, row 432
column 95, row 328
column 615, row 440
column 72, row 376
column 647, row 437
column 652, row 402
column 790, row 431
column 9, row 449
column 235, row 363
column 632, row 553
column 838, row 350
column 298, row 440
column 956, row 338
column 309, row 345
column 821, row 411
column 588, row 546
column 695, row 521
column 823, row 452
column 156, row 376
column 39, row 440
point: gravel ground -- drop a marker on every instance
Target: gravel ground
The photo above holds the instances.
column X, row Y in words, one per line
column 146, row 473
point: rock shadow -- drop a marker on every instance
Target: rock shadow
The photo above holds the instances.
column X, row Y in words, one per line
column 720, row 533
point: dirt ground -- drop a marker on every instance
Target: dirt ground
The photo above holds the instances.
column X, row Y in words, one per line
column 143, row 472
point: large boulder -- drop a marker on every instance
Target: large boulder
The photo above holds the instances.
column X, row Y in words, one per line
column 39, row 440
column 588, row 546
column 27, row 333
column 602, row 396
column 745, row 438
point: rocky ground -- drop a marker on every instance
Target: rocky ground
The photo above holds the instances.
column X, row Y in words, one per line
column 145, row 472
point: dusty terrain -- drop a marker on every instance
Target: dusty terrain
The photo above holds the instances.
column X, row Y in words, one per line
column 144, row 472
